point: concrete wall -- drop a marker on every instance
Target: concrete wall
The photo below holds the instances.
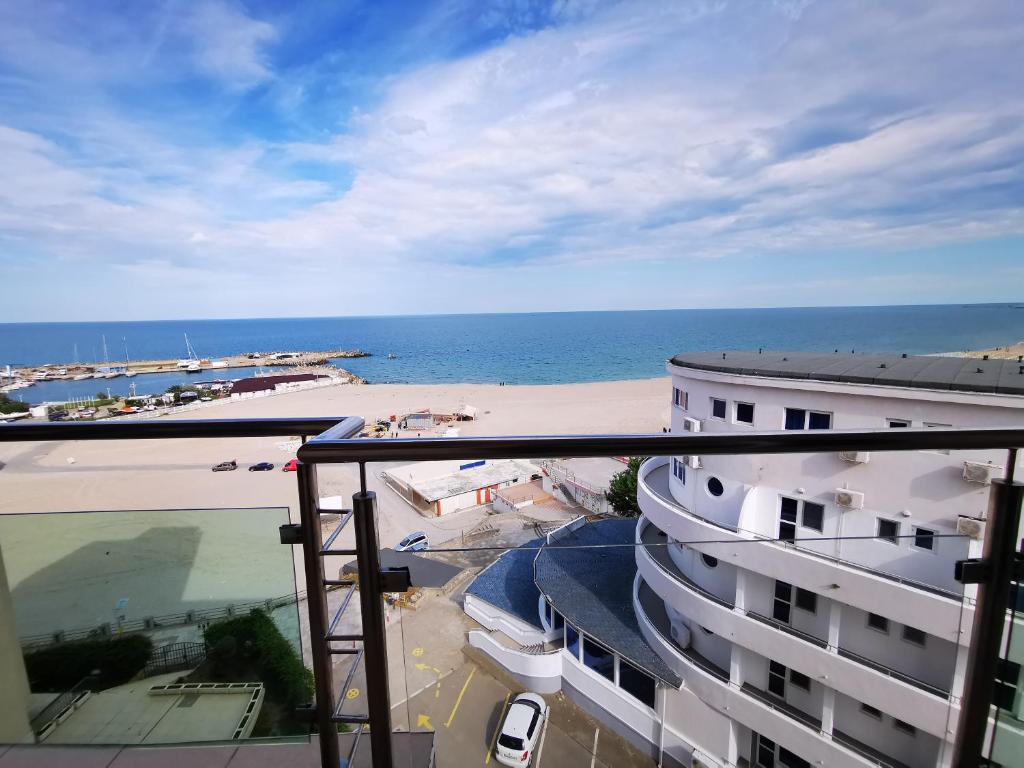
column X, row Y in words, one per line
column 918, row 751
column 14, row 690
column 494, row 618
column 540, row 672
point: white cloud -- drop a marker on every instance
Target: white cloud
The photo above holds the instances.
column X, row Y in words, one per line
column 626, row 135
column 228, row 43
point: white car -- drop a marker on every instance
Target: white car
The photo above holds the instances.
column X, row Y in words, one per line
column 521, row 730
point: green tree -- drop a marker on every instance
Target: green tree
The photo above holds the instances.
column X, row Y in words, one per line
column 621, row 492
column 7, row 405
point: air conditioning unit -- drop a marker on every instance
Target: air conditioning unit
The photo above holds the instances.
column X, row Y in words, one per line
column 976, row 472
column 855, row 457
column 681, row 634
column 971, row 527
column 691, row 424
column 693, row 462
column 849, row 499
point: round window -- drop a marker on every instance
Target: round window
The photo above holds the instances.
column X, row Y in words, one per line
column 709, row 561
column 715, row 487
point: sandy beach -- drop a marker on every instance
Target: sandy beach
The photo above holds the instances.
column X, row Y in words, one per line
column 175, row 474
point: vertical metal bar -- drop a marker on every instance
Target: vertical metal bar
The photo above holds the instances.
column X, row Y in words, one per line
column 999, row 555
column 316, row 604
column 375, row 655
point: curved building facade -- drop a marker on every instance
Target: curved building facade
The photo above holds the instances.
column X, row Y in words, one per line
column 809, row 600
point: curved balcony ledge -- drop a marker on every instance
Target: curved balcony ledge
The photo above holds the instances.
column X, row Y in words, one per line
column 753, row 708
column 912, row 701
column 934, row 612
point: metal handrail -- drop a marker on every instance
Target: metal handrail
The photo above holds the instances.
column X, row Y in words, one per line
column 179, row 428
column 334, row 451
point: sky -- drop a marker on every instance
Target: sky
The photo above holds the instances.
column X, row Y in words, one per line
column 220, row 158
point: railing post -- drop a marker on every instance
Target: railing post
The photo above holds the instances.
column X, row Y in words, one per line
column 375, row 649
column 316, row 604
column 998, row 557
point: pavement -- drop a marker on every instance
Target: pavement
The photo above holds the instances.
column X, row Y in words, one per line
column 436, row 686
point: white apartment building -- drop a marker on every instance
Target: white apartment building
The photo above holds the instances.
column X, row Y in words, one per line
column 788, row 610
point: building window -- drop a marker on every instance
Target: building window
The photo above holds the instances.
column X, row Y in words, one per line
column 924, row 538
column 765, row 752
column 556, row 619
column 680, row 398
column 599, row 659
column 870, row 711
column 572, row 641
column 709, row 561
column 879, row 623
column 782, row 600
column 907, row 728
column 679, row 470
column 787, row 519
column 715, row 487
column 888, row 530
column 637, row 684
column 798, row 418
column 1007, row 680
column 915, row 636
column 717, row 408
column 897, row 423
column 813, row 516
column 800, row 680
column 806, row 600
column 777, row 679
column 745, row 413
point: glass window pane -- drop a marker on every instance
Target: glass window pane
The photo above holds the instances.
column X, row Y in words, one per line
column 806, row 600
column 814, row 516
column 636, row 683
column 717, row 408
column 819, row 420
column 924, row 538
column 795, row 418
column 745, row 413
column 598, row 658
column 788, row 509
column 787, row 531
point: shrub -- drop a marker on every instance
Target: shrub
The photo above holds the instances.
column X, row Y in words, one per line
column 252, row 644
column 621, row 492
column 60, row 667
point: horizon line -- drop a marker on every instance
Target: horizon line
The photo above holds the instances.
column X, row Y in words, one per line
column 505, row 314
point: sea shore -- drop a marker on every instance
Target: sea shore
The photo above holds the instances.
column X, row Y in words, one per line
column 175, row 474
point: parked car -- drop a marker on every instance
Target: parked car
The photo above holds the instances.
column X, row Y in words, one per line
column 521, row 730
column 263, row 466
column 226, row 466
column 290, row 466
column 414, row 542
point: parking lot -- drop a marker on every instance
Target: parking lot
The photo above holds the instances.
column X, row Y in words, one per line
column 466, row 708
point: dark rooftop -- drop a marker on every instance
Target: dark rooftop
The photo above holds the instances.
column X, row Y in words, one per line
column 593, row 590
column 508, row 583
column 423, row 571
column 962, row 374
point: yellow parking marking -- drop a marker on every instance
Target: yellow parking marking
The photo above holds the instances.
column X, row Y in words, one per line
column 458, row 701
column 497, row 728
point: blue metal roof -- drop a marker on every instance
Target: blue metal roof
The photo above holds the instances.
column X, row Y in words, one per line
column 508, row 583
column 593, row 590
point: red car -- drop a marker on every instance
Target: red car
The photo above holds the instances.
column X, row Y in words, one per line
column 290, row 466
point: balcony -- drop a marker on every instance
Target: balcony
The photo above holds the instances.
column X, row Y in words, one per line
column 327, row 638
column 911, row 700
column 941, row 613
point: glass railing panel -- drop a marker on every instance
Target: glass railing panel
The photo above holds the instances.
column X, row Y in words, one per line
column 1004, row 742
column 147, row 627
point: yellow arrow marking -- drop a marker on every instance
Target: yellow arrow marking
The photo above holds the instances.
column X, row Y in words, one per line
column 417, row 651
column 423, row 721
column 352, row 693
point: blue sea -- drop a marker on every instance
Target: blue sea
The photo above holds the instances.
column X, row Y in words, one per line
column 532, row 348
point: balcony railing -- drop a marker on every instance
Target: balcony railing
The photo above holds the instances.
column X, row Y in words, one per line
column 661, row 491
column 333, row 446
